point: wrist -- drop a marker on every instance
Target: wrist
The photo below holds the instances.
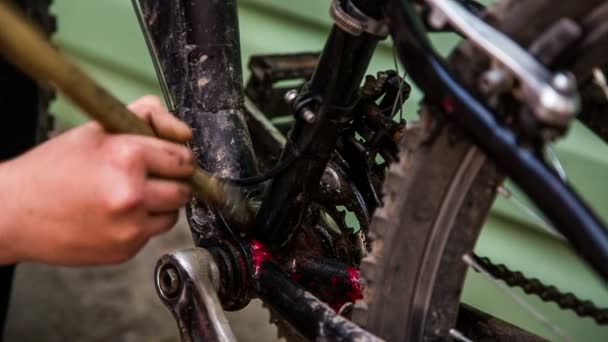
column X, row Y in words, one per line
column 12, row 219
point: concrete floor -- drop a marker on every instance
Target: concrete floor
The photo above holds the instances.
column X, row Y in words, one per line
column 109, row 303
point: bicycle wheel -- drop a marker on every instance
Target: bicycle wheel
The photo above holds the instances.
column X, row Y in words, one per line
column 438, row 195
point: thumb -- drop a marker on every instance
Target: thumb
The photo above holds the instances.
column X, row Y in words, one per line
column 164, row 124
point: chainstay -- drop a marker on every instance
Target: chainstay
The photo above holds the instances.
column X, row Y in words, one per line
column 548, row 293
column 284, row 330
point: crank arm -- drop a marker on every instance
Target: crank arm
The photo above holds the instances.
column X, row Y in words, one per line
column 187, row 282
column 553, row 97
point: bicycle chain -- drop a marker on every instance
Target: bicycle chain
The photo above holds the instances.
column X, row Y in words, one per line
column 548, row 293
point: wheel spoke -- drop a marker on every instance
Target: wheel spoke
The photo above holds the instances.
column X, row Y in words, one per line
column 600, row 80
column 557, row 164
column 557, row 331
column 458, row 336
column 520, row 204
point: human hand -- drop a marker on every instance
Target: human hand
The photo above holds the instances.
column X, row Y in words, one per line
column 87, row 197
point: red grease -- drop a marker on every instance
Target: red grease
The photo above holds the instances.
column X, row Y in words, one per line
column 447, row 104
column 351, row 295
column 259, row 254
column 353, row 277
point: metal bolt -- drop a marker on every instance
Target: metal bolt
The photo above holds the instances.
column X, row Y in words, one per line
column 309, row 116
column 564, row 82
column 290, row 96
column 494, row 81
column 437, row 19
column 169, row 282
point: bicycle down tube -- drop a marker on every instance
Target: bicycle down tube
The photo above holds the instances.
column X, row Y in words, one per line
column 197, row 47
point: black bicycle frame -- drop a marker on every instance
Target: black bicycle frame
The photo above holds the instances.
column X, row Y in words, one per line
column 197, row 43
column 206, row 85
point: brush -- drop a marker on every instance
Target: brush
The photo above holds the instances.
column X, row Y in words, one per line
column 24, row 45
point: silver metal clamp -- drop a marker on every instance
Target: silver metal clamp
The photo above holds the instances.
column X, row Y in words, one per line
column 552, row 96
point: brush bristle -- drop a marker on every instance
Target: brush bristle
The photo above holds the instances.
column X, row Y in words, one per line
column 237, row 207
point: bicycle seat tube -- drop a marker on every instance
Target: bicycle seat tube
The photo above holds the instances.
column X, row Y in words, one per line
column 333, row 88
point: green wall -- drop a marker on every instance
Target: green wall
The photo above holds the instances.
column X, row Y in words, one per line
column 103, row 37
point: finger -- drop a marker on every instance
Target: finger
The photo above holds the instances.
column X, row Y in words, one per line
column 162, row 195
column 166, row 125
column 164, row 159
column 161, row 223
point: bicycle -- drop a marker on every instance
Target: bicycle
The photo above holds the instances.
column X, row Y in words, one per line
column 446, row 169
